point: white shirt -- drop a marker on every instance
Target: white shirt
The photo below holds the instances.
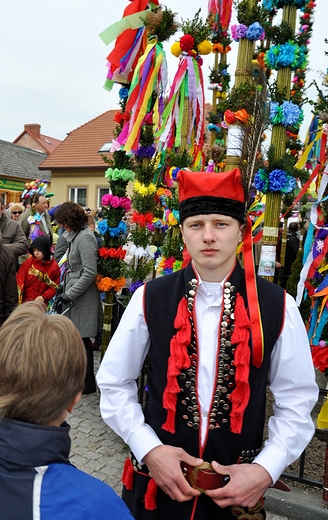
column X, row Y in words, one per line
column 292, row 380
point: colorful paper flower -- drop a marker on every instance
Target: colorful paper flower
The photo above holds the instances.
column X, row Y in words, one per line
column 238, row 31
column 281, row 3
column 123, row 93
column 255, row 32
column 142, row 219
column 119, row 175
column 112, row 252
column 145, row 151
column 176, row 49
column 229, row 117
column 116, row 202
column 204, row 47
column 287, row 54
column 275, row 181
column 261, row 181
column 106, row 284
column 287, row 114
column 144, row 190
column 135, row 285
column 187, row 42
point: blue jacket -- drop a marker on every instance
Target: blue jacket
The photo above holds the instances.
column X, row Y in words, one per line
column 37, row 481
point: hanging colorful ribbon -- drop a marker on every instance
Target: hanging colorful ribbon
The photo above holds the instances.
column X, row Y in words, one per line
column 221, row 11
column 188, row 84
column 252, row 298
column 130, row 42
column 150, row 75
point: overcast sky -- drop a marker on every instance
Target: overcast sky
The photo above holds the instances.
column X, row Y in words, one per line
column 53, row 63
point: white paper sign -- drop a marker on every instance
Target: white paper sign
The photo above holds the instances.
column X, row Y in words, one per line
column 267, row 261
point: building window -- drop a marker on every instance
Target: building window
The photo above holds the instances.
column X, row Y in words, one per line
column 101, row 193
column 78, row 195
column 105, row 147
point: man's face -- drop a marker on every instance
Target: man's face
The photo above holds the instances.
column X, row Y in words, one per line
column 211, row 241
column 42, row 205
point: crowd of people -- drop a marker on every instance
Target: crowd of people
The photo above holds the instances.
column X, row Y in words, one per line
column 213, row 333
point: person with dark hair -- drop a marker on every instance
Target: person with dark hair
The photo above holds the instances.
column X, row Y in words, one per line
column 11, row 234
column 213, row 332
column 38, row 277
column 79, row 280
column 36, row 221
column 27, row 203
column 42, row 366
column 8, row 287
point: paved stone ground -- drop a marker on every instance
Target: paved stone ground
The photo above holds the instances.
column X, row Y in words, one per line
column 96, row 449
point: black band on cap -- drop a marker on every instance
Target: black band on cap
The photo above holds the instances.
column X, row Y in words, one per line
column 206, row 205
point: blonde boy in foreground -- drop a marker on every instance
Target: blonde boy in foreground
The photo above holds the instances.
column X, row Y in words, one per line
column 42, row 366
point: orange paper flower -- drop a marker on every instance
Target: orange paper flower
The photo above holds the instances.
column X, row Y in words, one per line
column 242, row 115
column 106, row 284
column 218, row 47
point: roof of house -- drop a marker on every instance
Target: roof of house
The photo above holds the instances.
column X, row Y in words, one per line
column 49, row 144
column 80, row 149
column 20, row 162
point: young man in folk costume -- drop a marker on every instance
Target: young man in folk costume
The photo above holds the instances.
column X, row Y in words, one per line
column 208, row 369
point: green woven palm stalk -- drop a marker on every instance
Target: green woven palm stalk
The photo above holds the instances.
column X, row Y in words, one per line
column 278, row 140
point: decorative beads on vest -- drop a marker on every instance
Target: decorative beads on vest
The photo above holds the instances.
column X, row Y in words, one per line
column 225, row 383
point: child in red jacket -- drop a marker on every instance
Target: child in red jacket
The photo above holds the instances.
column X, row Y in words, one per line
column 38, row 277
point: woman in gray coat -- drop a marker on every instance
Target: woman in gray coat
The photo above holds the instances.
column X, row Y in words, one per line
column 79, row 280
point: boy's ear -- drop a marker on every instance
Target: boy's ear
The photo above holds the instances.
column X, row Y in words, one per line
column 74, row 402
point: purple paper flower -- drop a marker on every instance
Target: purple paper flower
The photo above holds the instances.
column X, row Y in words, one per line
column 135, row 285
column 238, row 31
column 145, row 151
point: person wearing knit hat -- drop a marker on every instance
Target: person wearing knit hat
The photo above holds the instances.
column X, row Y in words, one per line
column 212, row 332
column 38, row 276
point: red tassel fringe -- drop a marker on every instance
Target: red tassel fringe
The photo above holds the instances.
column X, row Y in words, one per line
column 240, row 336
column 128, row 474
column 178, row 360
column 150, row 496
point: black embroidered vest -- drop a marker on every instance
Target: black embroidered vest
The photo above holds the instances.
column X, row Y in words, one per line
column 162, row 297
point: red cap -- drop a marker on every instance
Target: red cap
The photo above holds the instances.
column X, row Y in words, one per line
column 211, row 192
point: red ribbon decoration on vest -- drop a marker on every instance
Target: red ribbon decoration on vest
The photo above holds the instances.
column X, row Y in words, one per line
column 252, row 298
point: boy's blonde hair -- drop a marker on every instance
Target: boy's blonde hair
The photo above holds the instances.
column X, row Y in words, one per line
column 42, row 365
column 91, row 220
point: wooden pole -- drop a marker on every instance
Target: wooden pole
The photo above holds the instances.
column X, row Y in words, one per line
column 107, row 325
column 325, row 480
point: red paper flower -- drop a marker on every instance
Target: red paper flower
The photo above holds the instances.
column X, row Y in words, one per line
column 118, row 253
column 142, row 220
column 118, row 117
column 229, row 117
column 187, row 42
